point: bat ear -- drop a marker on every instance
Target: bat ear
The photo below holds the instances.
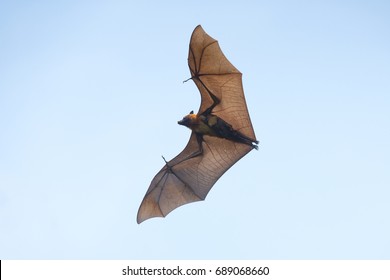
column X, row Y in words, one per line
column 191, row 112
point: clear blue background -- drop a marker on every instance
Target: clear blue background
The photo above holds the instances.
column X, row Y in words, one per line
column 90, row 96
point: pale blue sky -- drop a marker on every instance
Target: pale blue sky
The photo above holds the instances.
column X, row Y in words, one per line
column 90, row 96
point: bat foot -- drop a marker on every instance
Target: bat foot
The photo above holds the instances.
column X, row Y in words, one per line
column 255, row 145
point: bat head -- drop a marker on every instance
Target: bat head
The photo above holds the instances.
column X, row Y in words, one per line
column 189, row 120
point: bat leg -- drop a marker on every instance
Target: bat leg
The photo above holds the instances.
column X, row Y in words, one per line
column 239, row 137
column 225, row 130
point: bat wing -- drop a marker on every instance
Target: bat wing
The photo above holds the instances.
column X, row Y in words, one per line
column 213, row 73
column 187, row 179
column 184, row 180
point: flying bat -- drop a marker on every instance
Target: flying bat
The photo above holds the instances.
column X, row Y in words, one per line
column 222, row 132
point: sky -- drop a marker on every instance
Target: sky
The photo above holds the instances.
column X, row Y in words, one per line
column 90, row 96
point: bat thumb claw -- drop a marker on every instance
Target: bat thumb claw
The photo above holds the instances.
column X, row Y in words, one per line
column 164, row 159
column 187, row 80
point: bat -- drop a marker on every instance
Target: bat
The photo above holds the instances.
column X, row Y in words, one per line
column 222, row 132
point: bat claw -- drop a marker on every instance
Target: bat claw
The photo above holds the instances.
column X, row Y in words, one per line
column 255, row 145
column 164, row 159
column 169, row 168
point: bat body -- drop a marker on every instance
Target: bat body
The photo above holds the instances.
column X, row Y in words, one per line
column 211, row 125
column 222, row 132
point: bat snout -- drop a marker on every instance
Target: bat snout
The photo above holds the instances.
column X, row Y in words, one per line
column 188, row 120
column 184, row 121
